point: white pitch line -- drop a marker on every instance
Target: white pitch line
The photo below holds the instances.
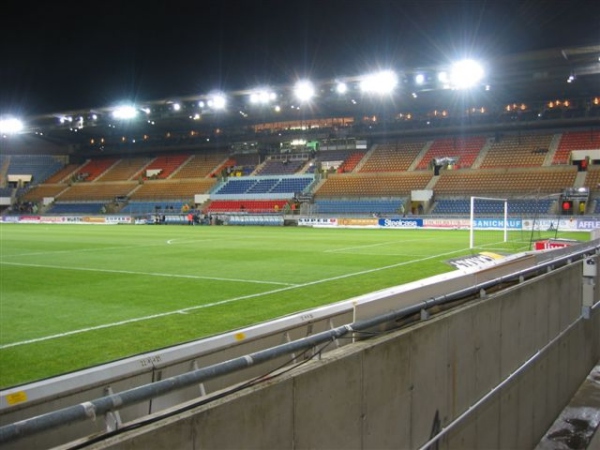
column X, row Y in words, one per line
column 379, row 254
column 152, row 274
column 343, row 250
column 100, row 249
column 222, row 302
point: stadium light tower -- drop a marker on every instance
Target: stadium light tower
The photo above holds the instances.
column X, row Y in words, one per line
column 217, row 101
column 125, row 112
column 10, row 125
column 341, row 87
column 304, row 91
column 379, row 83
column 262, row 97
column 466, row 73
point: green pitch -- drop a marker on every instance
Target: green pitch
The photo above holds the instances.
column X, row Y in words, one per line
column 74, row 296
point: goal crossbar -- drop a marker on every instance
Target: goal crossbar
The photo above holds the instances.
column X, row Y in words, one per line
column 472, row 218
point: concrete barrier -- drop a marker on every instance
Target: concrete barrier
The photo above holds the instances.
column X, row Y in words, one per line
column 493, row 373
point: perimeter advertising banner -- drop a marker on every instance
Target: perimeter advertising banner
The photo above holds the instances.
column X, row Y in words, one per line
column 401, row 223
column 588, row 224
column 367, row 222
column 497, row 224
column 317, row 222
column 453, row 224
column 103, row 220
column 551, row 224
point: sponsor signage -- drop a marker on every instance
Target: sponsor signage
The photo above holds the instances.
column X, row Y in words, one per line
column 313, row 222
column 118, row 219
column 29, row 219
column 498, row 224
column 546, row 244
column 401, row 223
column 550, row 225
column 90, row 219
column 447, row 223
column 590, row 224
column 357, row 222
column 474, row 261
column 52, row 219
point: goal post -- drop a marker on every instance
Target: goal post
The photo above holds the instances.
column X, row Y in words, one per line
column 472, row 217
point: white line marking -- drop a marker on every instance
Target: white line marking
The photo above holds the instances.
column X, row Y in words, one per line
column 152, row 274
column 341, row 250
column 99, row 249
column 222, row 302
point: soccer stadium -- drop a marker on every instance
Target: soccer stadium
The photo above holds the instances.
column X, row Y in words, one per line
column 174, row 267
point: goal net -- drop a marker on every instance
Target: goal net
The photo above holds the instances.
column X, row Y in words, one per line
column 488, row 223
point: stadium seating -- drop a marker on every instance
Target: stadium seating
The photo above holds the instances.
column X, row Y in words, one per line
column 514, row 166
column 280, row 167
column 530, row 207
column 369, row 207
column 351, row 162
column 94, row 168
column 105, row 192
column 184, row 190
column 40, row 167
column 63, row 175
column 166, row 164
column 517, row 151
column 392, row 157
column 125, row 169
column 39, row 192
column 76, row 208
column 246, row 186
column 575, row 140
column 372, row 185
column 463, row 149
column 200, row 165
column 501, row 182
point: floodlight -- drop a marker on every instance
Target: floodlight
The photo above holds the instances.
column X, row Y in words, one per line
column 341, row 87
column 379, row 83
column 10, row 125
column 218, row 101
column 304, row 90
column 124, row 112
column 262, row 97
column 419, row 79
column 466, row 73
column 176, row 106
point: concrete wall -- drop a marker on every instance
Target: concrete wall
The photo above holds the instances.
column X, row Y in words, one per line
column 393, row 390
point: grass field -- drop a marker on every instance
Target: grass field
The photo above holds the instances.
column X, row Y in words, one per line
column 74, row 296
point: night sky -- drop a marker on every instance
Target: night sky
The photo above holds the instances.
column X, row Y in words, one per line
column 66, row 55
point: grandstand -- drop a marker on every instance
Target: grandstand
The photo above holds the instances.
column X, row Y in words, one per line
column 520, row 166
